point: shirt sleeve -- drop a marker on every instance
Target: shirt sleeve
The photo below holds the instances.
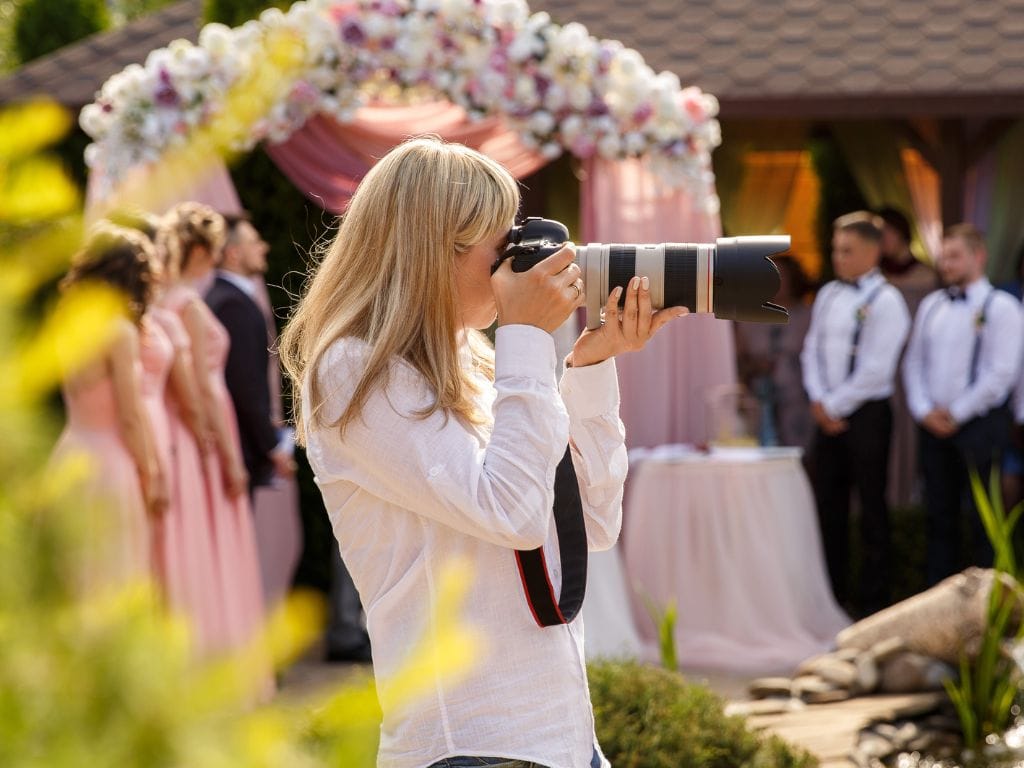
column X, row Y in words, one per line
column 914, row 384
column 498, row 489
column 597, row 442
column 885, row 329
column 812, row 375
column 999, row 364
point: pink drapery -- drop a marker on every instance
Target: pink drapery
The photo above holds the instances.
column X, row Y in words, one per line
column 665, row 387
column 326, row 159
column 147, row 190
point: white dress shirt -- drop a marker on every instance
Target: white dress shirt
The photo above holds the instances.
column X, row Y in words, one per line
column 937, row 366
column 829, row 343
column 408, row 495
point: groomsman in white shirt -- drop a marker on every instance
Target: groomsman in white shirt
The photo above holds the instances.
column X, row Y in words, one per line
column 962, row 363
column 859, row 323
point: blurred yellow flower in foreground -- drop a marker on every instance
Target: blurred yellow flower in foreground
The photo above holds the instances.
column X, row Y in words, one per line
column 109, row 679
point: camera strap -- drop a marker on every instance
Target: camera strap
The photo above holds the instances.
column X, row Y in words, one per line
column 572, row 549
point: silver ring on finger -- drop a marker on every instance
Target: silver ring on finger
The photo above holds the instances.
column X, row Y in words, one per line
column 579, row 289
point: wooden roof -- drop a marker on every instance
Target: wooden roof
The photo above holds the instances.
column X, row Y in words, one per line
column 826, row 58
column 761, row 58
column 73, row 74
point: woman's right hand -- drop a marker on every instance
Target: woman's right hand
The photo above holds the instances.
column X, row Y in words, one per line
column 543, row 296
column 236, row 479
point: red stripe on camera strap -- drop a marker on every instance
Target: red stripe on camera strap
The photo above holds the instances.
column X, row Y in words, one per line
column 572, row 549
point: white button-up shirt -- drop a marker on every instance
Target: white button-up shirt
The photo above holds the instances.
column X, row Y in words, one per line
column 408, row 495
column 885, row 322
column 937, row 366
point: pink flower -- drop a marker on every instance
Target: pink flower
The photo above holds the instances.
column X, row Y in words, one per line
column 583, row 146
column 692, row 101
column 643, row 114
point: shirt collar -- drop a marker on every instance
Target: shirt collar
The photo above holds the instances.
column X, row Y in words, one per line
column 977, row 290
column 242, row 283
column 864, row 281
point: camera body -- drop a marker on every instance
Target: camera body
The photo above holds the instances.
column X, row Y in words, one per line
column 734, row 278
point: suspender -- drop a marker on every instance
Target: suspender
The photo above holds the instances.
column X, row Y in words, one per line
column 979, row 325
column 862, row 316
column 572, row 550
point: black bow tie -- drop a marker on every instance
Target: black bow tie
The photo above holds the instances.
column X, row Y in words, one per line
column 851, row 283
column 956, row 294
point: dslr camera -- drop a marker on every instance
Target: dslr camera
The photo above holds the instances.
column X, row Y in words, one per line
column 732, row 277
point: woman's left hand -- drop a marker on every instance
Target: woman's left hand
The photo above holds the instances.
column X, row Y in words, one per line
column 623, row 330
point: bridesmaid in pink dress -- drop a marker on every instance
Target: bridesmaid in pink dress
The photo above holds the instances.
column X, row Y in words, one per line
column 183, row 556
column 193, row 234
column 107, row 423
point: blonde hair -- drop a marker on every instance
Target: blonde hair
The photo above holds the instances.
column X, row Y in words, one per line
column 388, row 277
column 186, row 226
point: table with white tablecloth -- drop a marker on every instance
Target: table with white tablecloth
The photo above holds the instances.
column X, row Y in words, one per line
column 731, row 538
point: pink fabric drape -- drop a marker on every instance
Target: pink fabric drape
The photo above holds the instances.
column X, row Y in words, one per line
column 326, row 159
column 665, row 387
column 156, row 191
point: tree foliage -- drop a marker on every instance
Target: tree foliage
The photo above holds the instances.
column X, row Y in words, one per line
column 43, row 26
column 235, row 12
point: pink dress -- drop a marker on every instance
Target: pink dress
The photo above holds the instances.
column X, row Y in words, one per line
column 117, row 549
column 233, row 533
column 183, row 536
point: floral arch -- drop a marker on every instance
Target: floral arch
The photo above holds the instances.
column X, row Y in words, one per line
column 557, row 87
column 485, row 72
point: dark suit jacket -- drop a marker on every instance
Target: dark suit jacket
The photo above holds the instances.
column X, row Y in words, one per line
column 246, row 375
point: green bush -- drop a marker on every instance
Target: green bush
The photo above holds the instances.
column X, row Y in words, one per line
column 43, row 26
column 647, row 717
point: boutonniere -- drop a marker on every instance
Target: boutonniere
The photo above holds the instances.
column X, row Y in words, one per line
column 979, row 320
column 862, row 314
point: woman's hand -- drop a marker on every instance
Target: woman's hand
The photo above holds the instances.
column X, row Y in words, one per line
column 623, row 331
column 236, row 479
column 543, row 296
column 156, row 492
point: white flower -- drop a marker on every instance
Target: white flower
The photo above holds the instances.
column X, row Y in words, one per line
column 555, row 98
column 551, row 150
column 580, row 96
column 608, row 146
column 571, row 127
column 507, row 12
column 541, row 122
column 456, row 8
column 634, row 143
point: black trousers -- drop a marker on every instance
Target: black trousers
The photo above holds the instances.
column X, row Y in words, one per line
column 945, row 463
column 857, row 460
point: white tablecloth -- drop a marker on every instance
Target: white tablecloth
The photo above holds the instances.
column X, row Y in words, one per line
column 732, row 538
column 609, row 627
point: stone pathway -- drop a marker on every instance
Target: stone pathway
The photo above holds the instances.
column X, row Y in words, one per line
column 829, row 731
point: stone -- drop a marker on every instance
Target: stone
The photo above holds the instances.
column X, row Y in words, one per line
column 810, row 684
column 825, row 697
column 867, row 673
column 883, row 650
column 908, row 672
column 874, row 745
column 770, row 706
column 766, row 687
column 939, row 622
column 906, row 733
column 842, row 674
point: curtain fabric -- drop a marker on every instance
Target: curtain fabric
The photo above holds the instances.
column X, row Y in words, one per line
column 1004, row 225
column 664, row 387
column 872, row 150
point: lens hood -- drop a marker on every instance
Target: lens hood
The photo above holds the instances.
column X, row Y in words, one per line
column 745, row 278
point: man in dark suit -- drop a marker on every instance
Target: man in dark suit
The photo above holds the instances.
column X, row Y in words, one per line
column 231, row 297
